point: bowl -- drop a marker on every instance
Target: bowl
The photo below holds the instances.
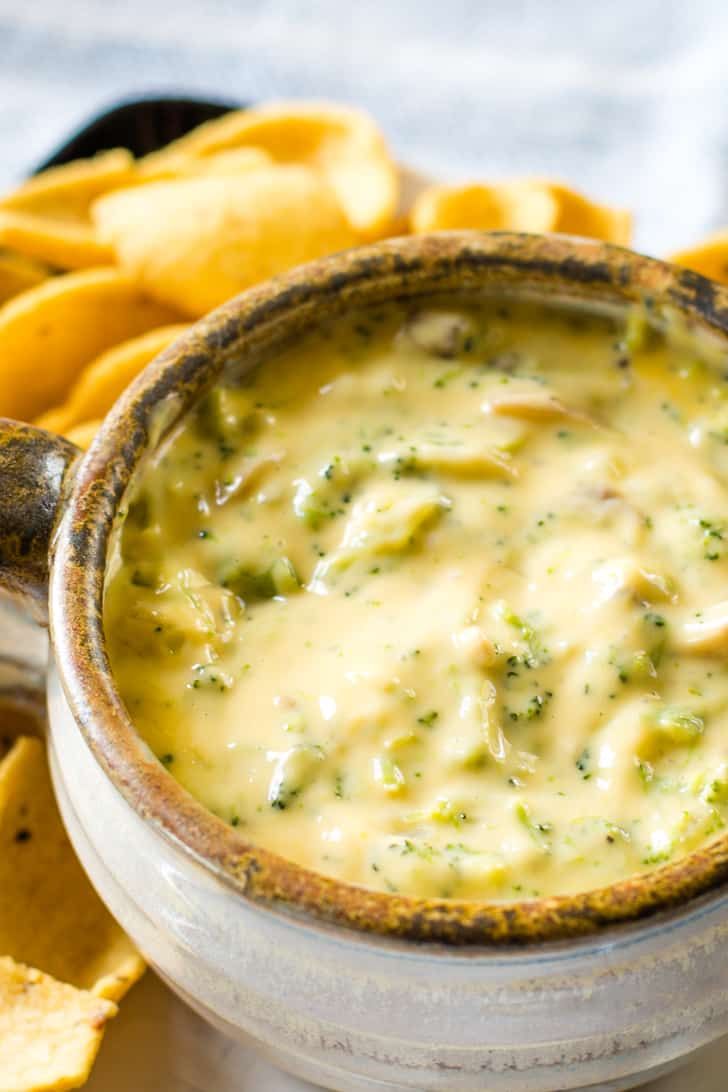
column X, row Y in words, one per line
column 351, row 988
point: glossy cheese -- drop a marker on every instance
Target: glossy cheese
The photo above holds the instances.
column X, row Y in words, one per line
column 436, row 601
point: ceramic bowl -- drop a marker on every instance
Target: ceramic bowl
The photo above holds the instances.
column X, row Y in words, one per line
column 350, row 988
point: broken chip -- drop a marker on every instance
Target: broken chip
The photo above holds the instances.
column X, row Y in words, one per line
column 50, row 1032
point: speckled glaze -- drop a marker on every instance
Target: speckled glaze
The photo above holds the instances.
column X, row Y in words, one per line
column 34, row 474
column 304, row 963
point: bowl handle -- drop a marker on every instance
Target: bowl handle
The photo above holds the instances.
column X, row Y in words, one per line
column 35, row 473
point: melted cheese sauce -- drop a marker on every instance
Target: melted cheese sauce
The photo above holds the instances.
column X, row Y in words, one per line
column 437, row 601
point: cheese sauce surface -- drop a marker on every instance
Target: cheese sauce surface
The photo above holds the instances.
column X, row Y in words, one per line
column 436, row 601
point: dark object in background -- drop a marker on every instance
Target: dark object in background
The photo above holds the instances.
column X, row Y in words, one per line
column 143, row 125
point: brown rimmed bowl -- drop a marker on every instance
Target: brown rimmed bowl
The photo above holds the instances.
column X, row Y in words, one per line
column 353, row 988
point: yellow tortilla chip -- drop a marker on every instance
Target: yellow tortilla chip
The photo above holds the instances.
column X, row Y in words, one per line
column 104, row 379
column 49, row 334
column 50, row 1032
column 343, row 143
column 506, row 207
column 195, row 242
column 18, row 273
column 578, row 215
column 231, row 161
column 50, row 915
column 709, row 257
column 47, row 217
column 65, row 193
column 60, row 243
column 522, row 205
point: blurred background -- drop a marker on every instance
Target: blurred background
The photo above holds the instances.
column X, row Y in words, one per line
column 626, row 99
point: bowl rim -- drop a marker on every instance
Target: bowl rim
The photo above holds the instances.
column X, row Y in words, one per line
column 255, row 323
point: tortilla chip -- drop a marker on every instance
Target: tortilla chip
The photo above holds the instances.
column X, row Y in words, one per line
column 230, row 161
column 65, row 193
column 506, row 207
column 195, row 242
column 50, row 1032
column 522, row 205
column 105, row 379
column 50, row 333
column 710, row 257
column 50, row 915
column 60, row 243
column 18, row 273
column 578, row 215
column 47, row 218
column 342, row 142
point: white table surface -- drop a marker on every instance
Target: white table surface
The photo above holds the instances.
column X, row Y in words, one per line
column 628, row 100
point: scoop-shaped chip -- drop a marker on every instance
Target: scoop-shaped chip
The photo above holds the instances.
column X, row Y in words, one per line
column 710, row 257
column 50, row 915
column 65, row 193
column 61, row 243
column 342, row 142
column 193, row 243
column 50, row 1032
column 18, row 274
column 579, row 215
column 49, row 334
column 532, row 205
column 505, row 207
column 104, row 379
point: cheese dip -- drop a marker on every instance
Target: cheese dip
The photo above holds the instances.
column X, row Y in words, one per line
column 436, row 600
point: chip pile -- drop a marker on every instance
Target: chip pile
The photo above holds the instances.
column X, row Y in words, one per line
column 64, row 962
column 103, row 264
